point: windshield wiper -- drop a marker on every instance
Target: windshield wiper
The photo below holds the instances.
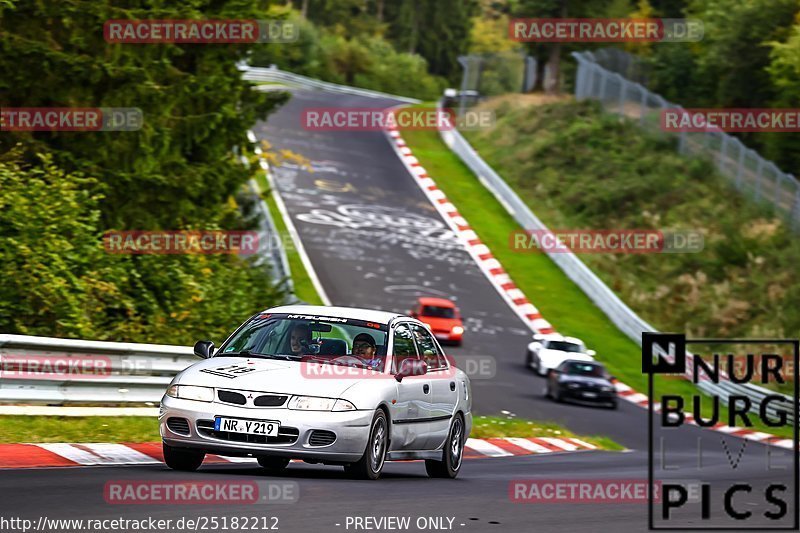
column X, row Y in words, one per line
column 247, row 353
column 289, row 356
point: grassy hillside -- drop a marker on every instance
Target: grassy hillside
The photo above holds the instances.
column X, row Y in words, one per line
column 579, row 168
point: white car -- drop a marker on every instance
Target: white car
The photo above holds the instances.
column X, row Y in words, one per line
column 331, row 385
column 546, row 352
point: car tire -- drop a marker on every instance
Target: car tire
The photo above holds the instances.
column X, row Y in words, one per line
column 613, row 405
column 182, row 459
column 371, row 463
column 558, row 396
column 452, row 455
column 273, row 465
column 529, row 360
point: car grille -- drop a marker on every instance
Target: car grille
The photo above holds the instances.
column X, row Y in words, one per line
column 286, row 435
column 231, row 397
column 178, row 425
column 321, row 437
column 263, row 400
column 270, row 400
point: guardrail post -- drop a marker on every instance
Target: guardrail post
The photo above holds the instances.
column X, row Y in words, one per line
column 740, row 165
column 723, row 153
column 603, row 85
column 759, row 170
column 642, row 105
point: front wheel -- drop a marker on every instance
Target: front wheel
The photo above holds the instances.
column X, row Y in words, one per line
column 182, row 459
column 452, row 455
column 371, row 463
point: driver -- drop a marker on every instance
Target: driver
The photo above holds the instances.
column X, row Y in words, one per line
column 364, row 348
column 299, row 338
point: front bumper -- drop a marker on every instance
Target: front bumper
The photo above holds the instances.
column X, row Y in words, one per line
column 351, row 429
column 446, row 336
column 589, row 395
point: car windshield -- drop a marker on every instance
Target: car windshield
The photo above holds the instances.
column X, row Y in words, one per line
column 311, row 338
column 435, row 311
column 585, row 369
column 564, row 346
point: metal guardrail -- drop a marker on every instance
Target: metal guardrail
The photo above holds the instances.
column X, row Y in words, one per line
column 615, row 309
column 751, row 174
column 279, row 76
column 45, row 370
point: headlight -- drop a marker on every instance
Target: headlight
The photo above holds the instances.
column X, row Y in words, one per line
column 311, row 403
column 606, row 388
column 191, row 392
column 343, row 405
column 573, row 385
column 457, row 330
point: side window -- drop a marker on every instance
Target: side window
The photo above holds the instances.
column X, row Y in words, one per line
column 403, row 346
column 427, row 348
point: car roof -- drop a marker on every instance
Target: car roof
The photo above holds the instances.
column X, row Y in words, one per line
column 437, row 302
column 371, row 315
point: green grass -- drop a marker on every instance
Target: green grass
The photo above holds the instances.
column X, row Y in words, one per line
column 78, row 429
column 304, row 289
column 559, row 300
column 485, row 427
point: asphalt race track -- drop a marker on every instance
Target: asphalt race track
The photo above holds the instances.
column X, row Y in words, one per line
column 375, row 241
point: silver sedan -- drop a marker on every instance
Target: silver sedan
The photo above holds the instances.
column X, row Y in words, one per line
column 329, row 385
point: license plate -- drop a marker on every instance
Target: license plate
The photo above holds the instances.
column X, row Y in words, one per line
column 252, row 427
column 590, row 395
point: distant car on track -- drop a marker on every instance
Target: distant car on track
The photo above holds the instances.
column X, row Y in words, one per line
column 442, row 316
column 581, row 380
column 546, row 352
column 331, row 385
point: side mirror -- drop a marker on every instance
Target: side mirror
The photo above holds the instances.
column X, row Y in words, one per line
column 591, row 352
column 204, row 349
column 555, row 371
column 411, row 367
column 413, row 314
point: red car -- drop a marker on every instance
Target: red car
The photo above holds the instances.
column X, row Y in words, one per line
column 442, row 316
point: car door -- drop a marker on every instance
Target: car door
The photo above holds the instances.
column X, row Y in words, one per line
column 410, row 412
column 444, row 390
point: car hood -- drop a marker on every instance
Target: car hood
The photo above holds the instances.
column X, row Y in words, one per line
column 585, row 380
column 272, row 375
